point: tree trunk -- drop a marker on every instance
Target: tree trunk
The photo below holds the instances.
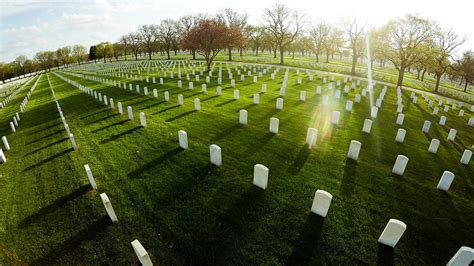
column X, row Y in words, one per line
column 354, row 61
column 465, row 86
column 275, row 53
column 149, row 55
column 282, row 53
column 136, row 56
column 423, row 74
column 438, row 77
column 401, row 73
column 230, row 54
column 241, row 51
column 194, row 54
column 168, row 53
column 327, row 57
column 256, row 51
column 460, row 82
column 418, row 75
column 317, row 57
column 293, row 56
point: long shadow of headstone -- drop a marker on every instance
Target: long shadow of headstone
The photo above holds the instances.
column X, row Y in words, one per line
column 307, row 241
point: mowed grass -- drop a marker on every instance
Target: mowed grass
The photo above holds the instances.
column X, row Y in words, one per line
column 186, row 211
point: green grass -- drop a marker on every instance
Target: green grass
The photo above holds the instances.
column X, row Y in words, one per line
column 185, row 211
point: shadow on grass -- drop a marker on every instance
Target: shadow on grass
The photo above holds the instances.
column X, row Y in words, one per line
column 348, row 180
column 209, row 98
column 50, row 158
column 191, row 95
column 307, row 240
column 224, row 103
column 242, row 214
column 152, row 105
column 46, row 128
column 72, row 243
column 152, row 164
column 109, row 126
column 385, row 255
column 260, row 143
column 227, row 131
column 46, row 136
column 47, row 146
column 57, row 204
column 166, row 109
column 180, row 116
column 96, row 113
column 103, row 118
column 299, row 160
column 117, row 136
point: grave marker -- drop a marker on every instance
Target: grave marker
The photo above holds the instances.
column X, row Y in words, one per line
column 311, row 137
column 5, row 143
column 130, row 112
column 392, row 233
column 243, row 117
column 197, row 104
column 90, row 176
column 354, row 150
column 321, row 202
column 400, row 165
column 274, row 125
column 400, row 135
column 141, row 253
column 434, row 145
column 108, row 207
column 142, row 119
column 466, row 156
column 260, row 176
column 445, row 181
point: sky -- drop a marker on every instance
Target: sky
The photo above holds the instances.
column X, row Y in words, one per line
column 29, row 26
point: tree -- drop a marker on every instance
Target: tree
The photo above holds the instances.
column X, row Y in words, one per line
column 124, row 43
column 185, row 24
column 354, row 32
column 237, row 23
column 19, row 64
column 445, row 42
column 255, row 34
column 147, row 35
column 134, row 43
column 93, row 53
column 208, row 38
column 168, row 30
column 319, row 34
column 403, row 40
column 79, row 53
column 334, row 42
column 284, row 25
column 465, row 67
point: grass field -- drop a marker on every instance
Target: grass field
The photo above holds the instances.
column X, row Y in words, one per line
column 186, row 211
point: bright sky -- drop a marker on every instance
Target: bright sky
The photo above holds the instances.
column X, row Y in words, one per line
column 30, row 26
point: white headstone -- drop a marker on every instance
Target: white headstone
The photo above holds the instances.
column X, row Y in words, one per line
column 243, row 117
column 219, row 90
column 142, row 119
column 197, row 104
column 325, row 100
column 400, row 118
column 463, row 257
column 434, row 145
column 90, row 176
column 392, row 233
column 108, row 207
column 215, row 154
column 426, row 126
column 400, row 135
column 141, row 253
column 373, row 111
column 183, row 139
column 279, row 104
column 256, row 98
column 302, row 96
column 3, row 159
column 167, row 96
column 335, row 117
column 357, row 98
column 321, row 202
column 311, row 137
column 442, row 120
column 349, row 106
column 367, row 126
column 204, row 87
column 274, row 125
column 155, row 93
column 354, row 150
column 466, row 156
column 445, row 181
column 5, row 143
column 236, row 94
column 260, row 176
column 12, row 126
column 452, row 134
column 120, row 109
column 400, row 165
column 130, row 112
column 73, row 141
column 264, row 88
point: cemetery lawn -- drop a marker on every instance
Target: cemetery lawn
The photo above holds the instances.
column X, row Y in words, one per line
column 185, row 211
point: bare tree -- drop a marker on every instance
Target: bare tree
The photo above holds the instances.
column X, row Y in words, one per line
column 235, row 21
column 79, row 53
column 404, row 37
column 167, row 33
column 148, row 34
column 125, row 42
column 445, row 42
column 354, row 32
column 283, row 25
column 319, row 34
column 134, row 43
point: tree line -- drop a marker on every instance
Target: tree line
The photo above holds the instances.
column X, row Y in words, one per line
column 409, row 43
